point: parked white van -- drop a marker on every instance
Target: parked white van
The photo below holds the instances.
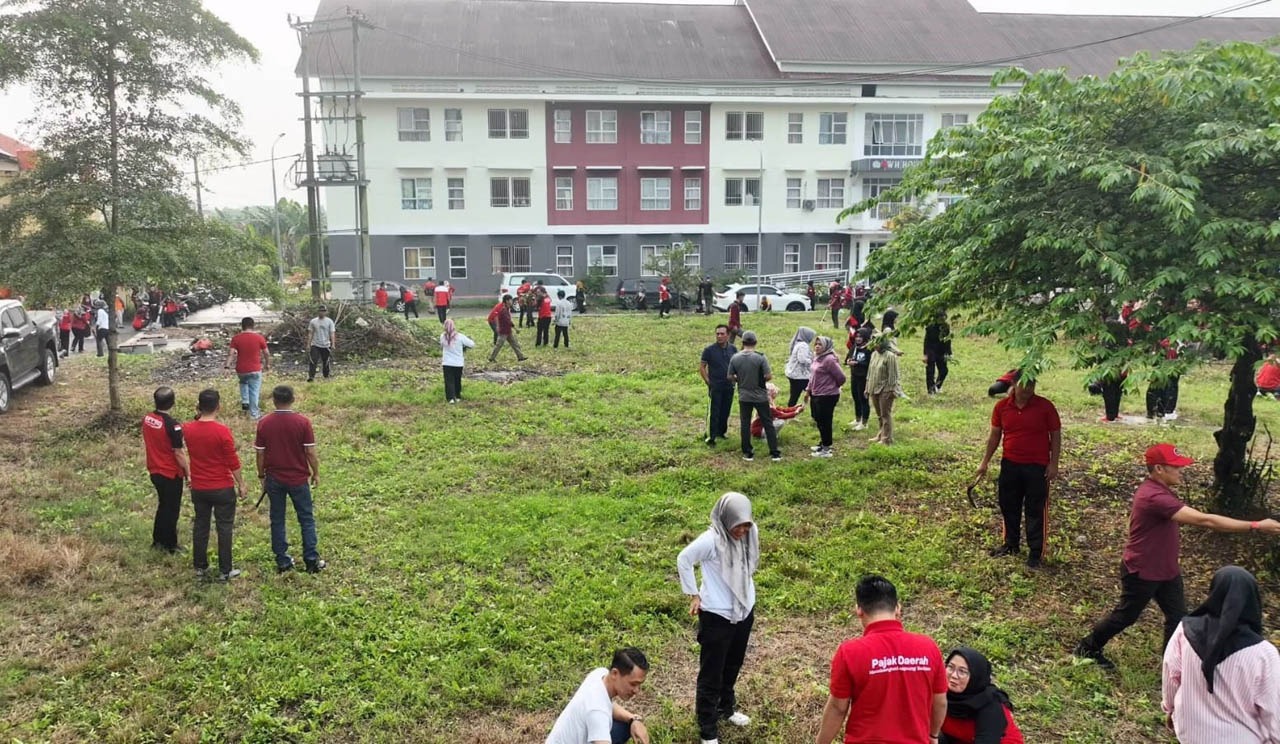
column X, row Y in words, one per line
column 508, row 282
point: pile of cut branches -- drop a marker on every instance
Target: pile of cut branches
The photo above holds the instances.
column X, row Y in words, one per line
column 364, row 331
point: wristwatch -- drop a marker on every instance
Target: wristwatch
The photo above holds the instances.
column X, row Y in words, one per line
column 633, row 721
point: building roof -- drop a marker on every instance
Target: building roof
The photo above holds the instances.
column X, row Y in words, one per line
column 760, row 40
column 17, row 151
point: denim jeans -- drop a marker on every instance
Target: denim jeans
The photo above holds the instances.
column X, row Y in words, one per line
column 250, row 391
column 301, row 498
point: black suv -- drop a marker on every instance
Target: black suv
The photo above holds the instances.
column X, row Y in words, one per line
column 626, row 294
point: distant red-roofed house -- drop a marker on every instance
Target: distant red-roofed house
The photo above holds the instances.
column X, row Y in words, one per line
column 15, row 157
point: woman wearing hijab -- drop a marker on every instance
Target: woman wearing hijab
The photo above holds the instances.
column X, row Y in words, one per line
column 799, row 361
column 824, row 392
column 882, row 383
column 729, row 553
column 978, row 712
column 1221, row 680
column 452, row 344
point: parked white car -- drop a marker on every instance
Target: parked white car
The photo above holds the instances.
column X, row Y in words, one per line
column 779, row 298
column 509, row 282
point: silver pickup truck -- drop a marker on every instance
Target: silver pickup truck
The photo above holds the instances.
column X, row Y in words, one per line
column 28, row 348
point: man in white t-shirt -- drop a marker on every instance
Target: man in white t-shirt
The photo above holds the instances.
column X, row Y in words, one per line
column 322, row 342
column 592, row 717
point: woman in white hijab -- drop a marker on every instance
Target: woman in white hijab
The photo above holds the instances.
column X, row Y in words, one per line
column 729, row 553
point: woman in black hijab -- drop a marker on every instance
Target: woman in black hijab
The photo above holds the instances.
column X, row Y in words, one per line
column 978, row 712
column 1221, row 680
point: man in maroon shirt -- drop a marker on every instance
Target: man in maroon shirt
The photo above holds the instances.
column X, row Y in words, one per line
column 1032, row 434
column 248, row 352
column 1149, row 567
column 890, row 685
column 215, row 484
column 506, row 332
column 167, row 464
column 288, row 467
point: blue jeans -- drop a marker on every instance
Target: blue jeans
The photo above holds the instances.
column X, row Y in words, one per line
column 250, row 390
column 301, row 497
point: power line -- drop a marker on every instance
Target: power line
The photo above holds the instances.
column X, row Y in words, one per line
column 251, row 162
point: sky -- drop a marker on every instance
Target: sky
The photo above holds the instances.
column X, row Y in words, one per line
column 267, row 91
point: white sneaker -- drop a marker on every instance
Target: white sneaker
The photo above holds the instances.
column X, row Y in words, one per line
column 860, row 426
column 1171, row 416
column 816, row 448
column 709, row 741
column 738, row 719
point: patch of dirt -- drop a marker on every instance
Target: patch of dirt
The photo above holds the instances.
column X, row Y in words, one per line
column 509, row 376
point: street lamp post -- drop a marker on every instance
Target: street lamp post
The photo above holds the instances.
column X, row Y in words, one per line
column 275, row 212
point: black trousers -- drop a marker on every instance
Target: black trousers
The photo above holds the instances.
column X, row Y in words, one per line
column 1135, row 594
column 64, row 341
column 718, row 418
column 580, row 303
column 441, row 312
column 823, row 408
column 494, row 327
column 664, row 308
column 1111, row 392
column 1162, row 400
column 164, row 532
column 1023, row 488
column 835, row 317
column 77, row 342
column 410, row 306
column 221, row 504
column 526, row 314
column 722, row 648
column 320, row 355
column 861, row 404
column 562, row 331
column 766, row 418
column 543, row 337
column 101, row 336
column 935, row 370
column 797, row 389
column 452, row 382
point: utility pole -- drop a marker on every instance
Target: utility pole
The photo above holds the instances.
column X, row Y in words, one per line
column 195, row 161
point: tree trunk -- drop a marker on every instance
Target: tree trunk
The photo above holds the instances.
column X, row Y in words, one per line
column 113, row 346
column 1238, row 423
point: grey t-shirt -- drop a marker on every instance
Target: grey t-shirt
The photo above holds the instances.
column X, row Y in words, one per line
column 321, row 332
column 751, row 368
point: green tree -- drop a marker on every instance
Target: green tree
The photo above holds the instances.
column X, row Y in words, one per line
column 295, row 239
column 672, row 264
column 1159, row 185
column 124, row 98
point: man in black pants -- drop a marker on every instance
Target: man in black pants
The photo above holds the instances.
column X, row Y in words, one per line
column 749, row 369
column 1031, row 432
column 937, row 349
column 1149, row 567
column 714, row 369
column 168, row 466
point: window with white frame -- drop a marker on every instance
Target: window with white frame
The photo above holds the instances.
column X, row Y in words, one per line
column 744, row 257
column 509, row 191
column 602, row 193
column 457, row 262
column 605, row 257
column 828, row 256
column 414, row 124
column 693, row 193
column 655, row 127
column 891, row 135
column 795, row 128
column 419, row 263
column 564, row 193
column 692, row 255
column 873, row 188
column 655, row 193
column 564, row 126
column 453, row 125
column 508, row 123
column 833, row 128
column 415, row 193
column 602, row 127
column 652, row 260
column 795, row 193
column 741, row 192
column 456, row 193
column 508, row 258
column 564, row 260
column 693, row 127
column 790, row 258
column 954, row 120
column 830, row 193
column 744, row 125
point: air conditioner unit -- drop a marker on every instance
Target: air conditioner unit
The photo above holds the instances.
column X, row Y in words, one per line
column 808, row 205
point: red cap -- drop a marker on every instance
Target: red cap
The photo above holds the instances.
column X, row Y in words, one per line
column 1167, row 454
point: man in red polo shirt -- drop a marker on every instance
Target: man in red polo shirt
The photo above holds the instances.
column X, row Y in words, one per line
column 890, row 685
column 248, row 352
column 664, row 297
column 442, row 293
column 1032, row 435
column 1149, row 567
column 380, row 296
column 288, row 467
column 167, row 464
column 215, row 484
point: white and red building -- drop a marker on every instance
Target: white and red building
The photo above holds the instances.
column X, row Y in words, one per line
column 508, row 135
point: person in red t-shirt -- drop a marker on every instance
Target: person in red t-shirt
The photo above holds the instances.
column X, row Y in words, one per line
column 889, row 684
column 215, row 484
column 288, row 467
column 492, row 317
column 64, row 333
column 835, row 301
column 1149, row 565
column 506, row 332
column 442, row 293
column 736, row 309
column 978, row 712
column 380, row 296
column 247, row 351
column 1032, row 434
column 410, row 302
column 664, row 297
column 545, row 313
column 167, row 464
column 1268, row 379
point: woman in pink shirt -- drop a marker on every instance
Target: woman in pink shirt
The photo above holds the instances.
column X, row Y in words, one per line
column 1221, row 679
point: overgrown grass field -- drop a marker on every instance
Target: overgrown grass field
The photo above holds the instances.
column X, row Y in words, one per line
column 484, row 556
